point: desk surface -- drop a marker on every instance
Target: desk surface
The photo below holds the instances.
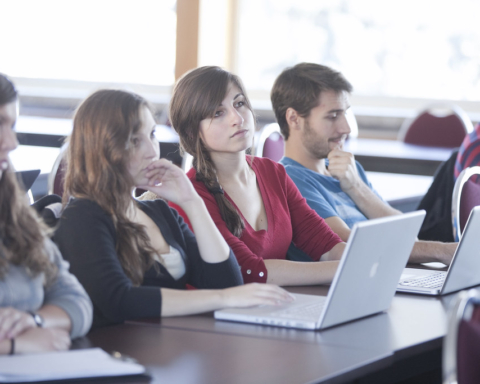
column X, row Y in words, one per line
column 397, row 157
column 411, row 320
column 188, row 356
column 389, row 185
column 375, row 155
column 396, row 186
column 414, row 325
column 45, row 126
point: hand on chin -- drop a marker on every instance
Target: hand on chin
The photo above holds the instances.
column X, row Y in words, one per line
column 337, row 145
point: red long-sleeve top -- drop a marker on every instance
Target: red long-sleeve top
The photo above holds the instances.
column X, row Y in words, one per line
column 289, row 219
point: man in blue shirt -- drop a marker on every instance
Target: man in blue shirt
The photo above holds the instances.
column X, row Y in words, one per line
column 310, row 102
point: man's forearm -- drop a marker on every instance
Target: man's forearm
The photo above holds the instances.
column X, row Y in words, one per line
column 432, row 251
column 370, row 204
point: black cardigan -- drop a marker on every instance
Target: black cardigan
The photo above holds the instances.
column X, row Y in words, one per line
column 86, row 237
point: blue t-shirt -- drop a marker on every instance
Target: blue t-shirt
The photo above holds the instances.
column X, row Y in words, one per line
column 324, row 195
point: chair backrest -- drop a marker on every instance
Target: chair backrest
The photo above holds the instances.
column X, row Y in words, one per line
column 270, row 143
column 56, row 177
column 466, row 195
column 461, row 345
column 438, row 125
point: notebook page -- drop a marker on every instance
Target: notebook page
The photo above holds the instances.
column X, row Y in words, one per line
column 93, row 362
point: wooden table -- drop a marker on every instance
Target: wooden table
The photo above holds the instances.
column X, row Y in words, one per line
column 402, row 343
column 189, row 356
column 401, row 191
column 374, row 154
column 397, row 157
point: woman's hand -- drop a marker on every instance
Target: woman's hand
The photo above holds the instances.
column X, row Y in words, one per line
column 169, row 182
column 14, row 322
column 255, row 294
column 42, row 340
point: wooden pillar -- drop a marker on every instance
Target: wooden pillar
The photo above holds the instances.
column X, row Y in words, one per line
column 231, row 46
column 186, row 58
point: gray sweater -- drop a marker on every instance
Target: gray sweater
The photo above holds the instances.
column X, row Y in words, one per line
column 21, row 291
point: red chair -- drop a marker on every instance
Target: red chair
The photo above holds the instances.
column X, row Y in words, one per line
column 461, row 345
column 466, row 195
column 439, row 125
column 270, row 142
column 56, row 178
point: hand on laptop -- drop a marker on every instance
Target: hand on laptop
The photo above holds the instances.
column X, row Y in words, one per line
column 255, row 294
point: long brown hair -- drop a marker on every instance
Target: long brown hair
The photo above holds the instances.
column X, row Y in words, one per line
column 22, row 233
column 97, row 169
column 196, row 96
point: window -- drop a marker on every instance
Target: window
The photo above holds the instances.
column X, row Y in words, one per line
column 107, row 41
column 426, row 49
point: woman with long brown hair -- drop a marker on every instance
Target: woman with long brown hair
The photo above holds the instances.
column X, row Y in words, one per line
column 41, row 304
column 135, row 258
column 255, row 205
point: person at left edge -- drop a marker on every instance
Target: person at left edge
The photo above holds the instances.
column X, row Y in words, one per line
column 42, row 305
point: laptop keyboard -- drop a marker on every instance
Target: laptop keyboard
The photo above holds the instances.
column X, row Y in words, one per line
column 431, row 281
column 301, row 312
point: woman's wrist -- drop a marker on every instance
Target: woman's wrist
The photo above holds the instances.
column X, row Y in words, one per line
column 191, row 206
column 222, row 298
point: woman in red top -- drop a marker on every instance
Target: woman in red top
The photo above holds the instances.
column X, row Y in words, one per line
column 255, row 205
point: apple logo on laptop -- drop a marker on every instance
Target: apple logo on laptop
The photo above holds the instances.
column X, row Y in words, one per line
column 373, row 270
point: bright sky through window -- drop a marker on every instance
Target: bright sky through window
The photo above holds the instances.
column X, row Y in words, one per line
column 410, row 48
column 112, row 41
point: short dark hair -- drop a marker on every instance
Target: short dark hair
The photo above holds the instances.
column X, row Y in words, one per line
column 8, row 93
column 299, row 87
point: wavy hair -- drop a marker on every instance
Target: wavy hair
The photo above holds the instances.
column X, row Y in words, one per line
column 196, row 96
column 22, row 232
column 97, row 162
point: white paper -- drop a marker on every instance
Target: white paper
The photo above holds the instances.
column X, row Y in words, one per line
column 80, row 363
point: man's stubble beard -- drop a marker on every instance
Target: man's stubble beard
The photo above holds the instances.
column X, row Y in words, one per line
column 312, row 144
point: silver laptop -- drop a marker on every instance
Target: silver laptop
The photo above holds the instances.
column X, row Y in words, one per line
column 464, row 270
column 365, row 282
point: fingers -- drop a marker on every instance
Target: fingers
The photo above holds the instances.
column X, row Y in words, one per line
column 270, row 294
column 61, row 341
column 13, row 322
column 161, row 170
column 341, row 164
column 161, row 164
column 155, row 175
column 337, row 155
column 20, row 325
